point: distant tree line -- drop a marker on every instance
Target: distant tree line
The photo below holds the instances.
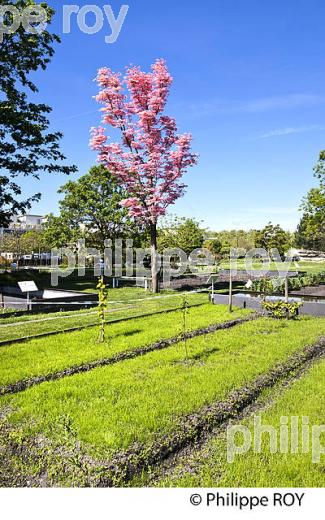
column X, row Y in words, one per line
column 90, row 208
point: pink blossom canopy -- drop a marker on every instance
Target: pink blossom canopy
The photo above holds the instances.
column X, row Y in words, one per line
column 152, row 157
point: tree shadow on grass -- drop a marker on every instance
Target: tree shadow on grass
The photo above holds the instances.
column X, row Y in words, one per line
column 128, row 333
column 200, row 357
column 205, row 354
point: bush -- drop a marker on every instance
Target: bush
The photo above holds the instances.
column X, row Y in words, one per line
column 281, row 309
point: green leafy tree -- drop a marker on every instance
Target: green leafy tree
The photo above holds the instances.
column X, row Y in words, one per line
column 18, row 243
column 34, row 242
column 27, row 148
column 12, row 243
column 94, row 202
column 214, row 246
column 319, row 169
column 225, row 249
column 274, row 237
column 183, row 233
column 58, row 232
column 236, row 238
column 311, row 229
column 190, row 235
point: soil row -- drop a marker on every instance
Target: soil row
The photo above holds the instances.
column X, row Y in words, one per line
column 125, row 465
column 80, row 327
column 19, row 386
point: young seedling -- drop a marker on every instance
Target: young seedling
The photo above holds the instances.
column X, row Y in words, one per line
column 185, row 311
column 102, row 307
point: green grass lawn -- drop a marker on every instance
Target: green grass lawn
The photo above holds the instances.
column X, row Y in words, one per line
column 28, row 326
column 30, row 317
column 209, row 467
column 309, row 267
column 114, row 406
column 44, row 355
column 312, row 267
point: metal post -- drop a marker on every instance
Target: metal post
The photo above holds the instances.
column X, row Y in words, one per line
column 230, row 290
column 212, row 292
column 145, row 283
column 286, row 289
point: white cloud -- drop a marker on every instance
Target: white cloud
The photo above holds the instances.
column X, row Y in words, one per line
column 290, row 130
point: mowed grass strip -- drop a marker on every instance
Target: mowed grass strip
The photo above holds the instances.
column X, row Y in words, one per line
column 118, row 297
column 28, row 328
column 209, row 466
column 45, row 355
column 112, row 407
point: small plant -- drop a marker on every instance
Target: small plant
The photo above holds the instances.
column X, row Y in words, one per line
column 281, row 309
column 102, row 307
column 185, row 311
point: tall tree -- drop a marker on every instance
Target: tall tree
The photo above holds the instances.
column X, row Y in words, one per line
column 236, row 238
column 58, row 231
column 152, row 157
column 319, row 169
column 274, row 237
column 34, row 241
column 214, row 246
column 27, row 148
column 94, row 200
column 12, row 243
column 311, row 229
column 183, row 233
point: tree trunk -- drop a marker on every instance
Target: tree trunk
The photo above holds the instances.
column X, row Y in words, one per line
column 153, row 244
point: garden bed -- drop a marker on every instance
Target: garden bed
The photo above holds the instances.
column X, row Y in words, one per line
column 115, row 408
column 15, row 329
column 207, row 465
column 42, row 356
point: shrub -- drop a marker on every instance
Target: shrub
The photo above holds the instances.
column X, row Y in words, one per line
column 281, row 309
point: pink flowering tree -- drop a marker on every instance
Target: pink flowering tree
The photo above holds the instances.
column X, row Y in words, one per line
column 151, row 157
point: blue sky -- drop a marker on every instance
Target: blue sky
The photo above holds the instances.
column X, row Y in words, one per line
column 249, row 84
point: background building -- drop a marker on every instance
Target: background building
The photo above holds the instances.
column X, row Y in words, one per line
column 24, row 223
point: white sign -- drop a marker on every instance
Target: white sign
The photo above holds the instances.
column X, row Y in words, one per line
column 28, row 286
column 249, row 284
